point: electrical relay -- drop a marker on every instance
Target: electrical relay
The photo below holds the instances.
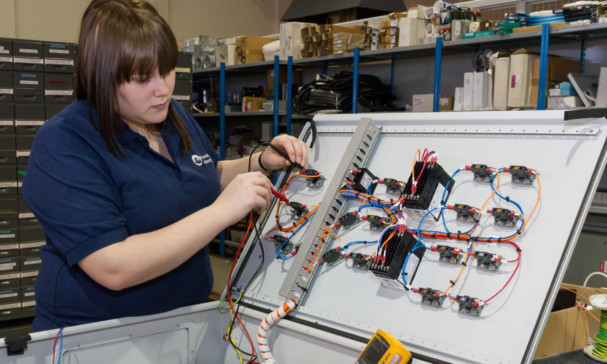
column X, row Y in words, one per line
column 466, row 213
column 448, row 254
column 469, row 305
column 388, row 266
column 393, row 186
column 521, row 175
column 431, row 297
column 350, row 220
column 504, row 217
column 298, row 210
column 481, row 172
column 363, row 181
column 314, row 182
column 488, row 261
column 425, row 188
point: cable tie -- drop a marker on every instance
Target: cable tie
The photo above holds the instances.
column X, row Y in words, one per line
column 518, row 250
column 518, row 231
column 464, row 264
column 508, row 198
column 433, row 235
column 453, row 283
column 499, row 240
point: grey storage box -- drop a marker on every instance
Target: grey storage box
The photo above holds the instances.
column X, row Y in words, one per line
column 58, row 87
column 7, row 149
column 59, row 57
column 8, row 180
column 6, row 54
column 7, row 119
column 24, row 148
column 31, row 239
column 28, row 56
column 6, row 86
column 29, row 118
column 28, row 87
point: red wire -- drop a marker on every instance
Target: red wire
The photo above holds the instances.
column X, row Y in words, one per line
column 54, row 345
column 518, row 262
column 228, row 288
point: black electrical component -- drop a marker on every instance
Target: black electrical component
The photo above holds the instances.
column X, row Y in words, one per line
column 279, row 240
column 362, row 179
column 390, row 265
column 333, row 256
column 350, row 220
column 469, row 305
column 360, row 261
column 521, row 175
column 298, row 210
column 488, row 261
column 482, row 173
column 466, row 213
column 314, row 182
column 376, row 222
column 504, row 217
column 432, row 297
column 449, row 254
column 432, row 180
column 393, row 187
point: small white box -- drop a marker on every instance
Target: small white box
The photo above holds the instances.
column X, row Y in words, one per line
column 601, row 95
column 225, row 53
column 468, row 91
column 500, row 87
column 458, row 99
column 412, row 31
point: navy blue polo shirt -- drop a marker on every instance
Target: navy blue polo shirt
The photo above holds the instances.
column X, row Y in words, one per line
column 85, row 198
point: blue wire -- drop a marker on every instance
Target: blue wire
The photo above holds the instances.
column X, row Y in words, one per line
column 355, row 243
column 60, row 344
column 289, row 238
column 507, row 200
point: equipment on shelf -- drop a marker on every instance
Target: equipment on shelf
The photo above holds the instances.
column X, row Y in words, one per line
column 335, row 93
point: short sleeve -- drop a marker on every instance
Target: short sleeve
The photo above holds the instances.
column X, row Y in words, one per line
column 71, row 192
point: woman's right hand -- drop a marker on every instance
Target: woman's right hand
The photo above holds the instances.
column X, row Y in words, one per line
column 246, row 192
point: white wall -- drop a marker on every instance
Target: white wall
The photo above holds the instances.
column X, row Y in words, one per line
column 59, row 20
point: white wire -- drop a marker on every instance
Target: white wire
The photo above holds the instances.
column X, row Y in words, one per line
column 592, row 275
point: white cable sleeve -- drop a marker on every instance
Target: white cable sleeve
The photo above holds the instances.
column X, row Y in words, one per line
column 263, row 332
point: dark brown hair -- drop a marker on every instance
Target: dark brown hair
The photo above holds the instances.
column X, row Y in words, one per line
column 120, row 39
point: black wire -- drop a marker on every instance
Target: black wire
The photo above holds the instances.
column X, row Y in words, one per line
column 257, row 240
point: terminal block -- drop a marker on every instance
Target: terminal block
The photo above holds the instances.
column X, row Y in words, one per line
column 469, row 305
column 488, row 261
column 481, row 172
column 298, row 211
column 314, row 182
column 466, row 213
column 350, row 220
column 333, row 256
column 393, row 187
column 362, row 180
column 389, row 266
column 432, row 297
column 521, row 175
column 360, row 261
column 427, row 193
column 504, row 217
column 449, row 254
column 375, row 222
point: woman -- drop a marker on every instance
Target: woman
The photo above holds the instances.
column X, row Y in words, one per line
column 126, row 185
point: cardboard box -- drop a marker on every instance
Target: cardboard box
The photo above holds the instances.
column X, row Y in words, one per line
column 519, row 79
column 282, row 78
column 500, row 84
column 558, row 68
column 468, row 91
column 412, row 31
column 250, row 103
column 566, row 329
column 291, row 42
column 425, row 103
column 249, row 49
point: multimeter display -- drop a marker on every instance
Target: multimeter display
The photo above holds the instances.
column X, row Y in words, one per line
column 374, row 351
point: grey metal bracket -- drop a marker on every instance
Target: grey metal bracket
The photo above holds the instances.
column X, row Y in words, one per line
column 313, row 247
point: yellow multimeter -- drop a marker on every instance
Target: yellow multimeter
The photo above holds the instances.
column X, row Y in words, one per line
column 384, row 348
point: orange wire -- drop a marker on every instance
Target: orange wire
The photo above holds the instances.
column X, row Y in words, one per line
column 415, row 159
column 460, row 273
column 387, row 240
column 585, row 320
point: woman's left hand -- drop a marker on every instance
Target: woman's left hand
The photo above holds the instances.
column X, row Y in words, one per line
column 293, row 147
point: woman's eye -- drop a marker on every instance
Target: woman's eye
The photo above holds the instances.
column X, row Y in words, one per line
column 141, row 79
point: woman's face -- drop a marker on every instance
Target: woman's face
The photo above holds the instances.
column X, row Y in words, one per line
column 143, row 101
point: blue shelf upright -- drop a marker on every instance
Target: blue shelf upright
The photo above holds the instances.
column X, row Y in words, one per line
column 438, row 57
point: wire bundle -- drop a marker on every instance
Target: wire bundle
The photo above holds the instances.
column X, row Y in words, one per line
column 264, row 329
column 335, row 93
column 600, row 346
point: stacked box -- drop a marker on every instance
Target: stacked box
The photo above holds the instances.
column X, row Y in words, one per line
column 249, row 49
column 36, row 82
column 320, row 39
column 183, row 80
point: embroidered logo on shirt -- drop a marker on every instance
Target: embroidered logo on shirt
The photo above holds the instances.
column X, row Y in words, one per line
column 199, row 160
